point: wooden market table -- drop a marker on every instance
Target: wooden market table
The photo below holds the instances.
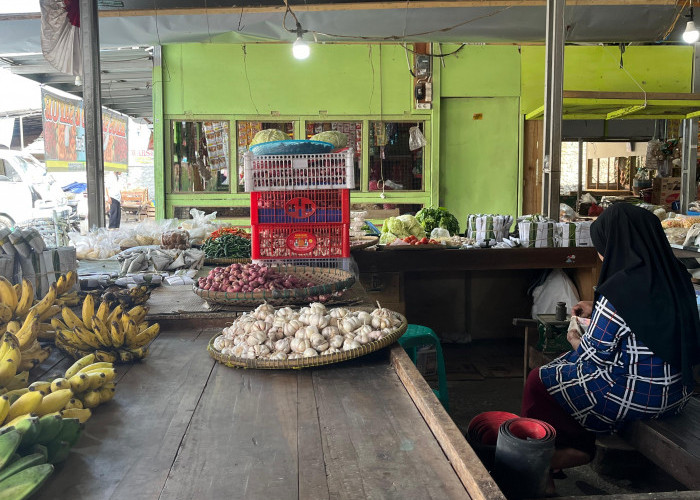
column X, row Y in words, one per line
column 183, row 426
column 473, row 292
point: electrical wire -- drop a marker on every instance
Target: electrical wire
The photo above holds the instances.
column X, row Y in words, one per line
column 675, row 20
column 622, row 67
column 288, row 10
column 245, row 70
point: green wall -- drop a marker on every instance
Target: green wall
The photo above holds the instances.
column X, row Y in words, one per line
column 597, row 68
column 371, row 82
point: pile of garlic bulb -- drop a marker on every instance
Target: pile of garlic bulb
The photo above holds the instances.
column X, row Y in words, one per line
column 312, row 331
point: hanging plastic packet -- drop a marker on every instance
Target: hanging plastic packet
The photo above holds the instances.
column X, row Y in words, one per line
column 416, row 139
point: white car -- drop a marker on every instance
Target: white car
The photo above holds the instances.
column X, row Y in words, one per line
column 27, row 191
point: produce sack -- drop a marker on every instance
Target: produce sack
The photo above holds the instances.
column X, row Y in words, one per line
column 692, row 238
column 44, row 268
column 488, row 227
column 574, row 234
column 558, row 287
column 5, row 242
column 7, row 266
column 536, row 232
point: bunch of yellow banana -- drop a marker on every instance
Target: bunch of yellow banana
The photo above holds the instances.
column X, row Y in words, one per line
column 10, row 358
column 66, row 296
column 17, row 383
column 111, row 334
column 17, row 307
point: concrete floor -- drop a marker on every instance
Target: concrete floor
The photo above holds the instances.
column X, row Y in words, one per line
column 487, row 375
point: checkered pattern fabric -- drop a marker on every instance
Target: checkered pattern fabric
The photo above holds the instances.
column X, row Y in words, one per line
column 612, row 377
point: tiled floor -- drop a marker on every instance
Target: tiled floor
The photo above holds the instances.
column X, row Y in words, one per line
column 487, row 375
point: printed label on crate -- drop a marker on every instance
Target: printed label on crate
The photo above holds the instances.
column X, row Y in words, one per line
column 301, row 242
column 300, row 208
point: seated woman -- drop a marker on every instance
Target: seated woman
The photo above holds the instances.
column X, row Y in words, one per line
column 635, row 360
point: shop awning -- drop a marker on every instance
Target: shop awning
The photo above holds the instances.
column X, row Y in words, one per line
column 585, row 105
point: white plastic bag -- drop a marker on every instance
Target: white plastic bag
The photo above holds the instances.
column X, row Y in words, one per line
column 558, row 287
column 416, row 139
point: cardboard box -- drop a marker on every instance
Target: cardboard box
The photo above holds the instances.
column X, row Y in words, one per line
column 665, row 190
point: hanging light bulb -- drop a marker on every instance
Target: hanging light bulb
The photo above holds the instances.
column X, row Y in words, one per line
column 691, row 34
column 300, row 48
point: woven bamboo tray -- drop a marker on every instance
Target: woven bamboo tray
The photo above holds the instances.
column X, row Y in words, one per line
column 320, row 360
column 363, row 242
column 328, row 280
column 225, row 261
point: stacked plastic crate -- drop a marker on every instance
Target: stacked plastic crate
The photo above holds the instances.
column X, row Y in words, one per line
column 300, row 207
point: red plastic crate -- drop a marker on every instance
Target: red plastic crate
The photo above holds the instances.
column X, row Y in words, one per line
column 295, row 207
column 300, row 241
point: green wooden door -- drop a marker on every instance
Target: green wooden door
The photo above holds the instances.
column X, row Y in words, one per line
column 479, row 156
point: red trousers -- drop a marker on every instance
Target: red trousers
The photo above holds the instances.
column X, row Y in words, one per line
column 539, row 404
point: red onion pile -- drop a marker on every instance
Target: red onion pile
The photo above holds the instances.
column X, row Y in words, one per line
column 249, row 278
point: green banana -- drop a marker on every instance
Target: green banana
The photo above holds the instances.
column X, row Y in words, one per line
column 9, row 442
column 58, row 451
column 70, row 431
column 21, row 464
column 49, row 428
column 42, row 450
column 29, row 428
column 25, row 483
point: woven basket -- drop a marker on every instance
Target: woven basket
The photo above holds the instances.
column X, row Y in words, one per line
column 320, row 360
column 225, row 261
column 328, row 280
column 363, row 242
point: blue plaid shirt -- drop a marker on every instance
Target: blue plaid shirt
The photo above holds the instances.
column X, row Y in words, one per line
column 613, row 377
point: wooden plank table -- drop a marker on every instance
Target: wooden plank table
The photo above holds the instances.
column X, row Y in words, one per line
column 182, row 426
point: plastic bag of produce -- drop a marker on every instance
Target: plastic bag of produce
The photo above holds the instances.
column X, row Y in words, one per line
column 416, row 139
column 439, row 232
column 558, row 287
column 692, row 238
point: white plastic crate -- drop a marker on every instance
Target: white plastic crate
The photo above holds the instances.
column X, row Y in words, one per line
column 297, row 172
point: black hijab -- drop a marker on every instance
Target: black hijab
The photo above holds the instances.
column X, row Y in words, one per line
column 648, row 286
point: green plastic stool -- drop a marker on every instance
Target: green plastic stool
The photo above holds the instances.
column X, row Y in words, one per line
column 417, row 335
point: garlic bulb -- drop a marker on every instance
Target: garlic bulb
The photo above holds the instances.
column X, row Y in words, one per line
column 310, row 331
column 300, row 333
column 284, row 312
column 349, row 324
column 256, row 338
column 278, row 355
column 239, row 350
column 282, row 345
column 350, row 344
column 378, row 322
column 261, row 350
column 263, row 310
column 310, row 352
column 270, row 346
column 317, row 308
column 259, row 326
column 330, row 350
column 338, row 312
column 364, row 330
column 291, row 327
column 299, row 345
column 319, row 320
column 294, row 355
column 305, row 310
column 219, row 342
column 337, row 341
column 363, row 338
column 318, row 342
column 375, row 334
column 329, row 331
column 364, row 317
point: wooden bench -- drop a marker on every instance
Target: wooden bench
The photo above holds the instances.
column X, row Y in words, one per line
column 135, row 202
column 672, row 443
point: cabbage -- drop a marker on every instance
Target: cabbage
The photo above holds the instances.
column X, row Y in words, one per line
column 387, row 239
column 396, row 226
column 338, row 139
column 412, row 226
column 269, row 135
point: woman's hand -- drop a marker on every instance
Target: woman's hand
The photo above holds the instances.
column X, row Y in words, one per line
column 574, row 338
column 583, row 309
